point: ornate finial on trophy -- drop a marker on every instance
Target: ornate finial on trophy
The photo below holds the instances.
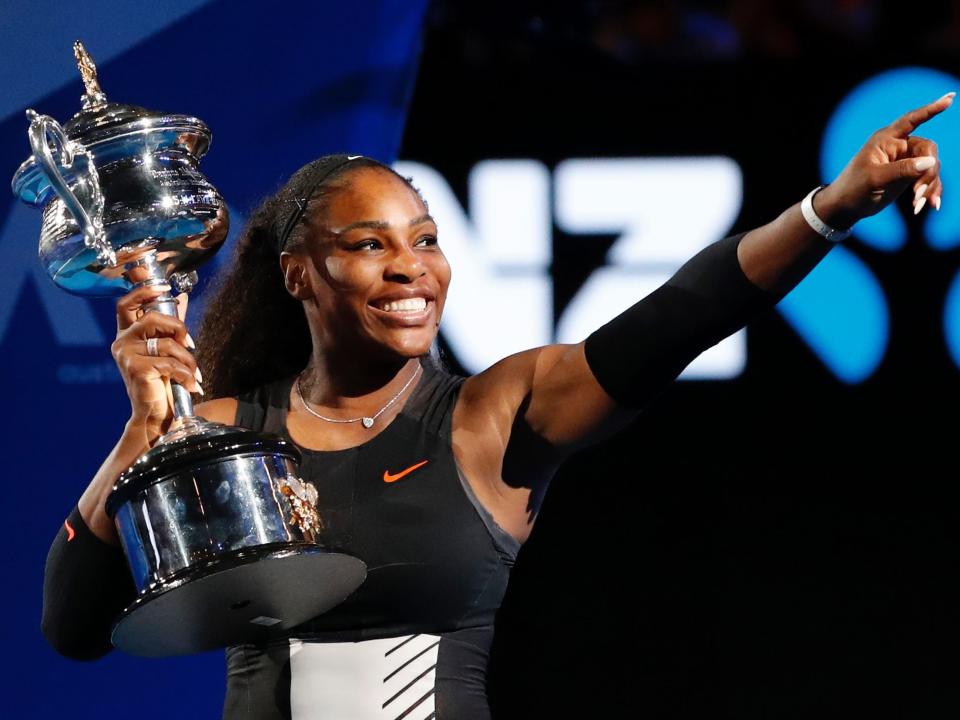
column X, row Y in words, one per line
column 94, row 96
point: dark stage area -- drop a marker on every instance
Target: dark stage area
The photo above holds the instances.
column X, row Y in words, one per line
column 773, row 546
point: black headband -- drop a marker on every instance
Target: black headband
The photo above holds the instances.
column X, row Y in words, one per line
column 319, row 170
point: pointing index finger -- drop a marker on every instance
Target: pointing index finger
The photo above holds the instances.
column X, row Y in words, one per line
column 906, row 124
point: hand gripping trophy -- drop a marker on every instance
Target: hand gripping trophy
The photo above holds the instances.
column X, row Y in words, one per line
column 222, row 538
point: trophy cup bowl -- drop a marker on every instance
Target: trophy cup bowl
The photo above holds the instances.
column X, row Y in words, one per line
column 222, row 538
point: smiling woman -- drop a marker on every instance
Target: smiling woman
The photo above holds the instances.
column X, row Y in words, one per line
column 239, row 350
column 372, row 288
column 322, row 332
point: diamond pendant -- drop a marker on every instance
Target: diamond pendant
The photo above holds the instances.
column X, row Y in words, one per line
column 367, row 422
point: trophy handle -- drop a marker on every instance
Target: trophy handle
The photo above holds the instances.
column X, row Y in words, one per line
column 55, row 152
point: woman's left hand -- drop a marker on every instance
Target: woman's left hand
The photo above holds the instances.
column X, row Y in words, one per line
column 890, row 161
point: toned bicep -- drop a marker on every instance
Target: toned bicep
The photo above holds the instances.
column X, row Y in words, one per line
column 565, row 405
column 545, row 399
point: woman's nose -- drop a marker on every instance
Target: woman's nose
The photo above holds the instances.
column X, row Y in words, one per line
column 404, row 266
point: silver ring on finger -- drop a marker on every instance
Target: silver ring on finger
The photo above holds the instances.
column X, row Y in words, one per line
column 152, row 349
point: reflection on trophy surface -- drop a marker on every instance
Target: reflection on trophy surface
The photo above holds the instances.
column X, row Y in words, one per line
column 223, row 540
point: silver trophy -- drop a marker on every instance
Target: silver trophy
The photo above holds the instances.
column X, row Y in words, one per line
column 222, row 537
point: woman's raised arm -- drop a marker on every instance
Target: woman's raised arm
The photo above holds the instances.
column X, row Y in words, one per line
column 543, row 403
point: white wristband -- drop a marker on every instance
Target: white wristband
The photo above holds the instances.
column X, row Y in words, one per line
column 806, row 207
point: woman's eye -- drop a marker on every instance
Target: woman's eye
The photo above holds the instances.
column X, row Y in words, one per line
column 370, row 244
column 427, row 240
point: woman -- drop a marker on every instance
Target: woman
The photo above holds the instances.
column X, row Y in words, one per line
column 322, row 331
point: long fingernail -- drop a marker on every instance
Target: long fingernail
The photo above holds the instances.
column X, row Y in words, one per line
column 193, row 346
column 920, row 191
column 199, row 389
column 936, row 203
column 919, row 207
column 924, row 163
column 950, row 95
column 197, row 375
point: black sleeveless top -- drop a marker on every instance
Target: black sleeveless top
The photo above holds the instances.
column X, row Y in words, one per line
column 437, row 570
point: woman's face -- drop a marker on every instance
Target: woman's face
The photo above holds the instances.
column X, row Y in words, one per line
column 377, row 277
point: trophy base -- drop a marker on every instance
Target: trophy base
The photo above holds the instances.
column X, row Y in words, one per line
column 250, row 597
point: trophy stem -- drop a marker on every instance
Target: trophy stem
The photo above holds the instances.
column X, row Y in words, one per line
column 147, row 271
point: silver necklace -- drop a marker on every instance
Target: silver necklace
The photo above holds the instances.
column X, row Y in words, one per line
column 366, row 420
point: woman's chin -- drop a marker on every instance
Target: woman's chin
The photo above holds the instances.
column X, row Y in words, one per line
column 409, row 344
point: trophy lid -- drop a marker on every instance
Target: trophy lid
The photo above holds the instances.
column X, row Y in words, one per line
column 100, row 120
column 112, row 131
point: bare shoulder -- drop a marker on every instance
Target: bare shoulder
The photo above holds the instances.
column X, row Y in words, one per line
column 221, row 410
column 506, row 383
column 489, row 401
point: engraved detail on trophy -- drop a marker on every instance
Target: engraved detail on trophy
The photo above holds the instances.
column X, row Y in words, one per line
column 303, row 500
column 210, row 543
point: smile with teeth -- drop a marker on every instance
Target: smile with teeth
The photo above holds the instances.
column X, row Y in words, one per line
column 409, row 305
